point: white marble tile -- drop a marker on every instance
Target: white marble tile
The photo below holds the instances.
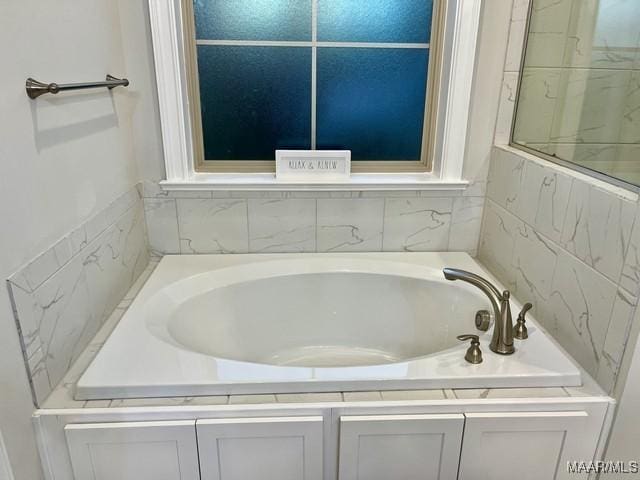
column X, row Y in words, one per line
column 506, row 108
column 112, row 263
column 590, row 106
column 630, row 128
column 162, row 225
column 580, row 307
column 517, row 30
column 472, row 393
column 97, row 404
column 597, row 228
column 402, row 395
column 78, row 239
column 417, row 224
column 63, row 309
column 466, row 222
column 169, row 401
column 350, row 225
column 543, row 199
column 213, row 226
column 362, row 396
column 309, row 397
column 537, row 105
column 251, row 399
column 497, row 242
column 616, row 339
column 630, row 277
column 282, row 226
column 505, row 178
column 153, row 190
column 534, row 261
column 61, row 316
column 610, row 42
column 548, row 31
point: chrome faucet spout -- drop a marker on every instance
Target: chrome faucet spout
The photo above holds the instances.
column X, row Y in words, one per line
column 502, row 340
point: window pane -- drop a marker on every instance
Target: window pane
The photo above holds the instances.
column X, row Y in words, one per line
column 371, row 101
column 580, row 86
column 254, row 100
column 253, row 19
column 405, row 21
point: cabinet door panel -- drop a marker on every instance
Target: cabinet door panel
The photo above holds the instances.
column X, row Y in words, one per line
column 529, row 445
column 133, row 451
column 407, row 447
column 282, row 448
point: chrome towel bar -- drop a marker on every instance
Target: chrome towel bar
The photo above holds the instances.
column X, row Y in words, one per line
column 36, row 88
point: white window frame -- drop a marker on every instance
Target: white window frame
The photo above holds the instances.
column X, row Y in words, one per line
column 461, row 25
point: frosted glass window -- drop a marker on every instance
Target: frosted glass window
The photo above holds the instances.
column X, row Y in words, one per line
column 254, row 100
column 311, row 74
column 579, row 101
column 371, row 101
column 407, row 21
column 253, row 19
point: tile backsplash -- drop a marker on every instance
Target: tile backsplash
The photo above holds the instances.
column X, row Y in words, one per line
column 285, row 222
column 568, row 244
column 62, row 297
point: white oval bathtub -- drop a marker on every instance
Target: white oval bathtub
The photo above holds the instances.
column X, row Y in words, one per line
column 340, row 315
column 274, row 323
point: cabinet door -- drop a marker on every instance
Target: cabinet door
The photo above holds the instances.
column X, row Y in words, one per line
column 407, row 447
column 133, row 451
column 524, row 445
column 280, row 448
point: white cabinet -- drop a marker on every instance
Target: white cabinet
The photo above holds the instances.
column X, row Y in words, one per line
column 407, row 447
column 133, row 451
column 365, row 446
column 525, row 445
column 287, row 448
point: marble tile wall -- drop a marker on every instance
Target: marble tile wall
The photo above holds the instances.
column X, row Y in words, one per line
column 579, row 94
column 284, row 222
column 570, row 245
column 62, row 297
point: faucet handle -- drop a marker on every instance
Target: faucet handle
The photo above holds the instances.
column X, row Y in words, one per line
column 474, row 354
column 521, row 332
column 483, row 320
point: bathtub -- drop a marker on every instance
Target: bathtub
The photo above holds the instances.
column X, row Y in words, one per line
column 238, row 324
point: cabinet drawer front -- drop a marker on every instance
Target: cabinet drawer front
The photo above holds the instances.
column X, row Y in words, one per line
column 529, row 445
column 281, row 448
column 133, row 451
column 407, row 447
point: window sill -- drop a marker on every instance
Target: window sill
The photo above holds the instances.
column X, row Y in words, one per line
column 357, row 182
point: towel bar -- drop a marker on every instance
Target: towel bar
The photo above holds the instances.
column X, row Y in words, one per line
column 36, row 88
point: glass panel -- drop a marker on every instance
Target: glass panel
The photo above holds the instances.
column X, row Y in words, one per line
column 253, row 19
column 580, row 90
column 371, row 101
column 254, row 100
column 407, row 21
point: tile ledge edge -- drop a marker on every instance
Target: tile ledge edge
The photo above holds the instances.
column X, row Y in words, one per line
column 616, row 190
column 358, row 182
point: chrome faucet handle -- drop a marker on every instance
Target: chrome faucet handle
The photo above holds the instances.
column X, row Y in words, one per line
column 474, row 354
column 521, row 332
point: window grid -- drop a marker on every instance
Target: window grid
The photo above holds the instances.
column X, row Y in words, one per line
column 314, row 44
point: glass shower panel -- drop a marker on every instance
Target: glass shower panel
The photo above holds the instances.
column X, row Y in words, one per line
column 579, row 96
